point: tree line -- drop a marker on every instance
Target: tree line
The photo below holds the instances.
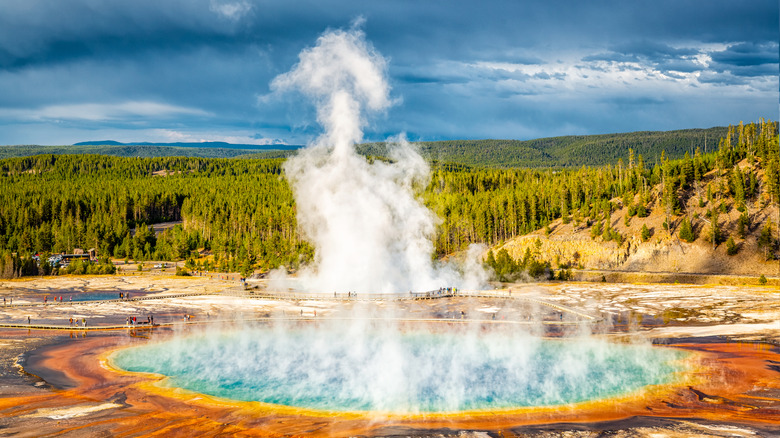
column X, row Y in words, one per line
column 243, row 213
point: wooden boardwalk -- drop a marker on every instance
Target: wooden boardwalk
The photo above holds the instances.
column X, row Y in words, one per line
column 117, row 300
column 505, row 294
column 455, row 321
column 239, row 292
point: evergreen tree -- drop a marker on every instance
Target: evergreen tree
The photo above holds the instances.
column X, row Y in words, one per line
column 505, row 265
column 738, row 187
column 645, row 233
column 742, row 224
column 698, row 166
column 731, row 247
column 490, row 260
column 765, row 240
column 715, row 234
column 687, row 171
column 686, row 231
column 596, row 230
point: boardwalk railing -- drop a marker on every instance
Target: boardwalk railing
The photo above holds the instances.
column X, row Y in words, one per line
column 240, row 292
column 411, row 296
column 116, row 300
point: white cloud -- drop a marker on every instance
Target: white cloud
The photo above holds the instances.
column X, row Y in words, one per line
column 101, row 112
column 613, row 77
column 230, row 10
column 173, row 136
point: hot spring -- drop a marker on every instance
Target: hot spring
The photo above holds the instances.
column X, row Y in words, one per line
column 356, row 367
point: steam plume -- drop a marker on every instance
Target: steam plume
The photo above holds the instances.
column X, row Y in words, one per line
column 370, row 231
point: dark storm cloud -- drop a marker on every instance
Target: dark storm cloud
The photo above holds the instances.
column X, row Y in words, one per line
column 747, row 59
column 460, row 69
column 652, row 50
column 44, row 33
column 747, row 54
column 653, row 54
column 413, row 78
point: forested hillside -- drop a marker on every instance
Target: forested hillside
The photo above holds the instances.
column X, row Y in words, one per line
column 706, row 213
column 196, row 145
column 242, row 212
column 558, row 152
column 565, row 152
column 144, row 151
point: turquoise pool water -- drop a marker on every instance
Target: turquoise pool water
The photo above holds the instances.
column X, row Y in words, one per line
column 359, row 369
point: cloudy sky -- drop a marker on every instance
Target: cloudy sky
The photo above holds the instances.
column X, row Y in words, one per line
column 193, row 70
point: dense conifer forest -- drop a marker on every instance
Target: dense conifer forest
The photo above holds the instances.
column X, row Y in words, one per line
column 569, row 151
column 241, row 212
column 148, row 151
column 565, row 152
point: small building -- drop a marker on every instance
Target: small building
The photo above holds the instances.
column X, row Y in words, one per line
column 66, row 259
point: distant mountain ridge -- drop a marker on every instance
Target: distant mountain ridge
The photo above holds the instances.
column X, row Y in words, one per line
column 553, row 152
column 566, row 151
column 202, row 144
column 141, row 151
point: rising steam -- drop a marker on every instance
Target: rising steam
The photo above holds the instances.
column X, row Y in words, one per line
column 370, row 231
column 372, row 234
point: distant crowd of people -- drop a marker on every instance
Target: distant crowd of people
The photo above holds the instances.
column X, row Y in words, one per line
column 133, row 321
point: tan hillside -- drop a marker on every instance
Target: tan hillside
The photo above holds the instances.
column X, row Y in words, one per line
column 572, row 245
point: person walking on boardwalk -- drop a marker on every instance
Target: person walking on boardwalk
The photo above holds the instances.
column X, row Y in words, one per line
column 84, row 322
column 28, row 320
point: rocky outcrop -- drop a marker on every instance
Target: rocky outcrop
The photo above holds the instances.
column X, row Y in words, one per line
column 660, row 254
column 574, row 250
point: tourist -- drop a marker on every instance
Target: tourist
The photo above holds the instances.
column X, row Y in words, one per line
column 28, row 320
column 70, row 322
column 84, row 322
column 3, row 301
